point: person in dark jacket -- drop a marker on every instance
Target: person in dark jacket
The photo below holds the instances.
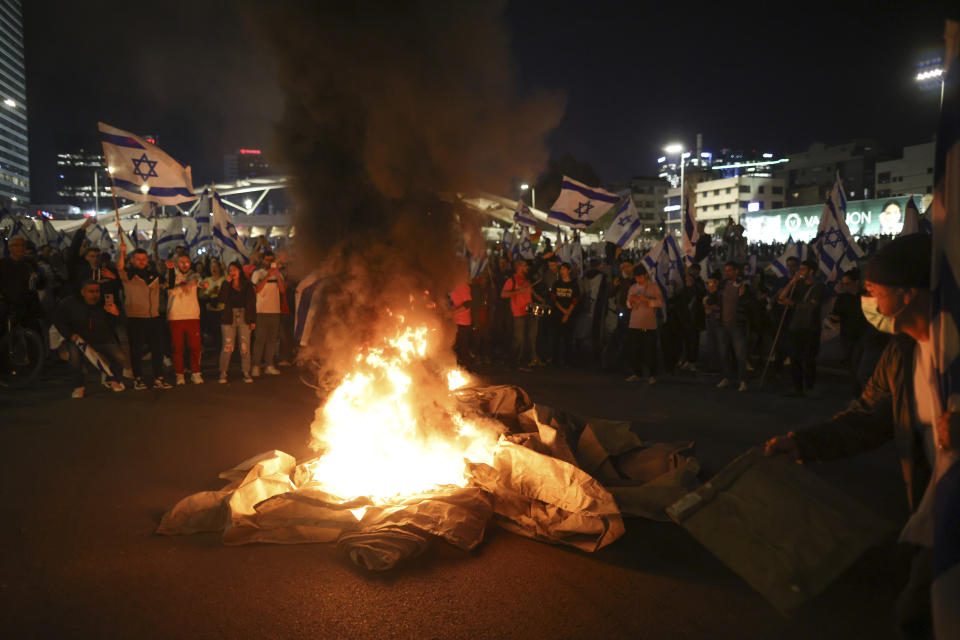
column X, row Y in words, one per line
column 237, row 320
column 84, row 317
column 900, row 403
column 803, row 295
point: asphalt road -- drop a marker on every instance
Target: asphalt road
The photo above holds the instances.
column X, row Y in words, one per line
column 85, row 483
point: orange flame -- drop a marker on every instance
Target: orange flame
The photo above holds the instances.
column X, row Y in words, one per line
column 391, row 428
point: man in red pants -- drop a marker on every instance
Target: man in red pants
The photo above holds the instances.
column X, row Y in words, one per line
column 183, row 312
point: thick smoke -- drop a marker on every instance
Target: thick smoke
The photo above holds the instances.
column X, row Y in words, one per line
column 391, row 107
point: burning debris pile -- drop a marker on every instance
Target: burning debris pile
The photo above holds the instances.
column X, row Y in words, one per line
column 407, row 452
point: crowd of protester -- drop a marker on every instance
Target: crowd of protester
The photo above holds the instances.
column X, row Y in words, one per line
column 135, row 308
column 606, row 310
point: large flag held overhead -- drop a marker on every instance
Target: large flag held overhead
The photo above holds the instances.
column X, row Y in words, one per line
column 579, row 206
column 523, row 215
column 51, row 236
column 225, row 233
column 143, row 172
column 525, row 247
column 665, row 265
column 690, row 233
column 944, row 213
column 626, row 224
column 836, row 250
column 197, row 228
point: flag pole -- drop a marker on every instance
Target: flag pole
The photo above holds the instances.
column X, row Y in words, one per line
column 776, row 338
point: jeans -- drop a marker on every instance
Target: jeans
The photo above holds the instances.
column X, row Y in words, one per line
column 189, row 329
column 733, row 351
column 112, row 353
column 524, row 339
column 239, row 331
column 265, row 340
column 642, row 347
column 143, row 334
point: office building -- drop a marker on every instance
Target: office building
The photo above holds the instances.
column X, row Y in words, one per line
column 811, row 174
column 245, row 163
column 14, row 157
column 908, row 175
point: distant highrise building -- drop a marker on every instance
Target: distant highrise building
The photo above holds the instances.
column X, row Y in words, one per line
column 14, row 158
column 82, row 178
column 245, row 163
column 811, row 174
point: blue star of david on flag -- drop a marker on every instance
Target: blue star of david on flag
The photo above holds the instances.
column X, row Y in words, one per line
column 623, row 221
column 583, row 209
column 832, row 237
column 138, row 163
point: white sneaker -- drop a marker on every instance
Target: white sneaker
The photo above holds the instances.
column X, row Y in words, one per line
column 167, row 362
column 196, row 378
column 255, row 372
column 742, row 387
column 180, row 379
column 723, row 383
column 633, row 378
column 116, row 386
column 77, row 393
column 272, row 370
column 652, row 380
column 247, row 378
column 222, row 379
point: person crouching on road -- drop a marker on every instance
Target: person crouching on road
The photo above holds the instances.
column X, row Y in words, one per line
column 237, row 320
column 900, row 403
column 183, row 313
column 643, row 299
column 84, row 317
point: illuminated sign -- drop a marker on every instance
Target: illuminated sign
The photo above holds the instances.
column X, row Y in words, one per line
column 250, row 152
column 864, row 218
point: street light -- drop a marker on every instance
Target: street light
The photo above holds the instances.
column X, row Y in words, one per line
column 676, row 148
column 533, row 194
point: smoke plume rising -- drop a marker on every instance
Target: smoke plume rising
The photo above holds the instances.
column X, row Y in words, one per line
column 390, row 105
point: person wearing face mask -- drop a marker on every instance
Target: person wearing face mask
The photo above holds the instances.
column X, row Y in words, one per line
column 900, row 403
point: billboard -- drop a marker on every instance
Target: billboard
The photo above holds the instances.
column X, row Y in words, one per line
column 864, row 217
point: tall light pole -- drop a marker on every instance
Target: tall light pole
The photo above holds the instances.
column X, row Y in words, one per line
column 677, row 148
column 533, row 194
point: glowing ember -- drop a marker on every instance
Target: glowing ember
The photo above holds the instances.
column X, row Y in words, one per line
column 392, row 427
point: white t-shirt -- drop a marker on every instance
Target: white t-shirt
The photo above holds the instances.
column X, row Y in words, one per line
column 182, row 303
column 268, row 298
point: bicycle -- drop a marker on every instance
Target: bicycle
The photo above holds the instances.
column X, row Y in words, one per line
column 22, row 350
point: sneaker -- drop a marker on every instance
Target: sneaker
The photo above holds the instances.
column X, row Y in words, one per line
column 633, row 378
column 138, row 385
column 272, row 370
column 255, row 372
column 247, row 378
column 652, row 380
column 283, row 363
column 723, row 383
column 116, row 386
column 77, row 393
column 742, row 387
column 180, row 379
column 196, row 378
column 160, row 383
column 167, row 362
column 222, row 379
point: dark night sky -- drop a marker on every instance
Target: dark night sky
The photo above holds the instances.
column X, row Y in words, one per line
column 635, row 76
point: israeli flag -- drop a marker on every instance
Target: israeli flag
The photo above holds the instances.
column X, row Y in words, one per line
column 141, row 171
column 99, row 237
column 96, row 359
column 509, row 243
column 836, row 250
column 523, row 216
column 571, row 253
column 911, row 219
column 690, row 233
column 625, row 226
column 51, row 236
column 665, row 265
column 170, row 236
column 225, row 233
column 579, row 206
column 525, row 247
column 476, row 265
column 306, row 301
column 25, row 228
column 750, row 269
column 792, row 250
